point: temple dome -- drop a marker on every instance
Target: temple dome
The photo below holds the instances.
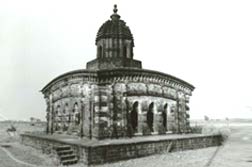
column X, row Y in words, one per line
column 114, row 28
column 114, row 43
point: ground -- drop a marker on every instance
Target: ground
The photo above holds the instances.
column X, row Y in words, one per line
column 237, row 151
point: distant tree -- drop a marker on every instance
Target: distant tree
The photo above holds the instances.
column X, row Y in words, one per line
column 206, row 118
column 227, row 119
column 32, row 119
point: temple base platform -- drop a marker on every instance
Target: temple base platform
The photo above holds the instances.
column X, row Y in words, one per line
column 110, row 150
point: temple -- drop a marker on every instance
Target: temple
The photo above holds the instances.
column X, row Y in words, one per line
column 114, row 97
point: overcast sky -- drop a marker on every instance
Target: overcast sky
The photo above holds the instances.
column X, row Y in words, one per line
column 206, row 43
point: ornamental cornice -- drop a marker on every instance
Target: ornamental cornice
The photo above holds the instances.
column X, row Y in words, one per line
column 145, row 76
column 128, row 94
column 84, row 75
column 151, row 76
column 124, row 75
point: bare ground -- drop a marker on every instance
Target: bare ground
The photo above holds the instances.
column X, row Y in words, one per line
column 237, row 151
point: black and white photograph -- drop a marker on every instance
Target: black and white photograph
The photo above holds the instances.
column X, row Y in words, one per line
column 121, row 83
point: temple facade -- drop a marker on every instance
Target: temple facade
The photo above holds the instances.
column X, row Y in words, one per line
column 114, row 96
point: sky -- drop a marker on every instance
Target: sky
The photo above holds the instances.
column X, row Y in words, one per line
column 206, row 43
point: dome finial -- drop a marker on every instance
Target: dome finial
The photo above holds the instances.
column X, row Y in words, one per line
column 115, row 9
column 115, row 16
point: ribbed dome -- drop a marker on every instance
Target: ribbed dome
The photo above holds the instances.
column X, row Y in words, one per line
column 114, row 28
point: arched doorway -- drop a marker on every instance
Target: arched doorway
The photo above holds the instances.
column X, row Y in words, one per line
column 150, row 116
column 164, row 116
column 134, row 117
column 100, row 55
column 125, row 51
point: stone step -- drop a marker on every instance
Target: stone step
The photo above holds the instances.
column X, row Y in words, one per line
column 67, row 157
column 69, row 161
column 65, row 152
column 62, row 148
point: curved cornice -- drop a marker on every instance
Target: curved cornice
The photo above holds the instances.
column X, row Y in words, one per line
column 107, row 74
column 80, row 72
column 143, row 72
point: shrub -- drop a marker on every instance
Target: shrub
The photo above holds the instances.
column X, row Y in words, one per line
column 225, row 133
column 196, row 129
column 212, row 130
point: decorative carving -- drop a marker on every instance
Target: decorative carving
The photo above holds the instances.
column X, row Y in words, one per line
column 136, row 88
column 120, row 87
column 154, row 89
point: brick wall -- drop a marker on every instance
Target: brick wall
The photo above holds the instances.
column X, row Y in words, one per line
column 110, row 153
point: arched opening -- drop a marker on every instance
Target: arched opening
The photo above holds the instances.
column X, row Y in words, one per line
column 150, row 116
column 65, row 110
column 65, row 117
column 131, row 52
column 164, row 116
column 76, row 114
column 57, row 110
column 125, row 51
column 134, row 117
column 99, row 51
column 172, row 112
